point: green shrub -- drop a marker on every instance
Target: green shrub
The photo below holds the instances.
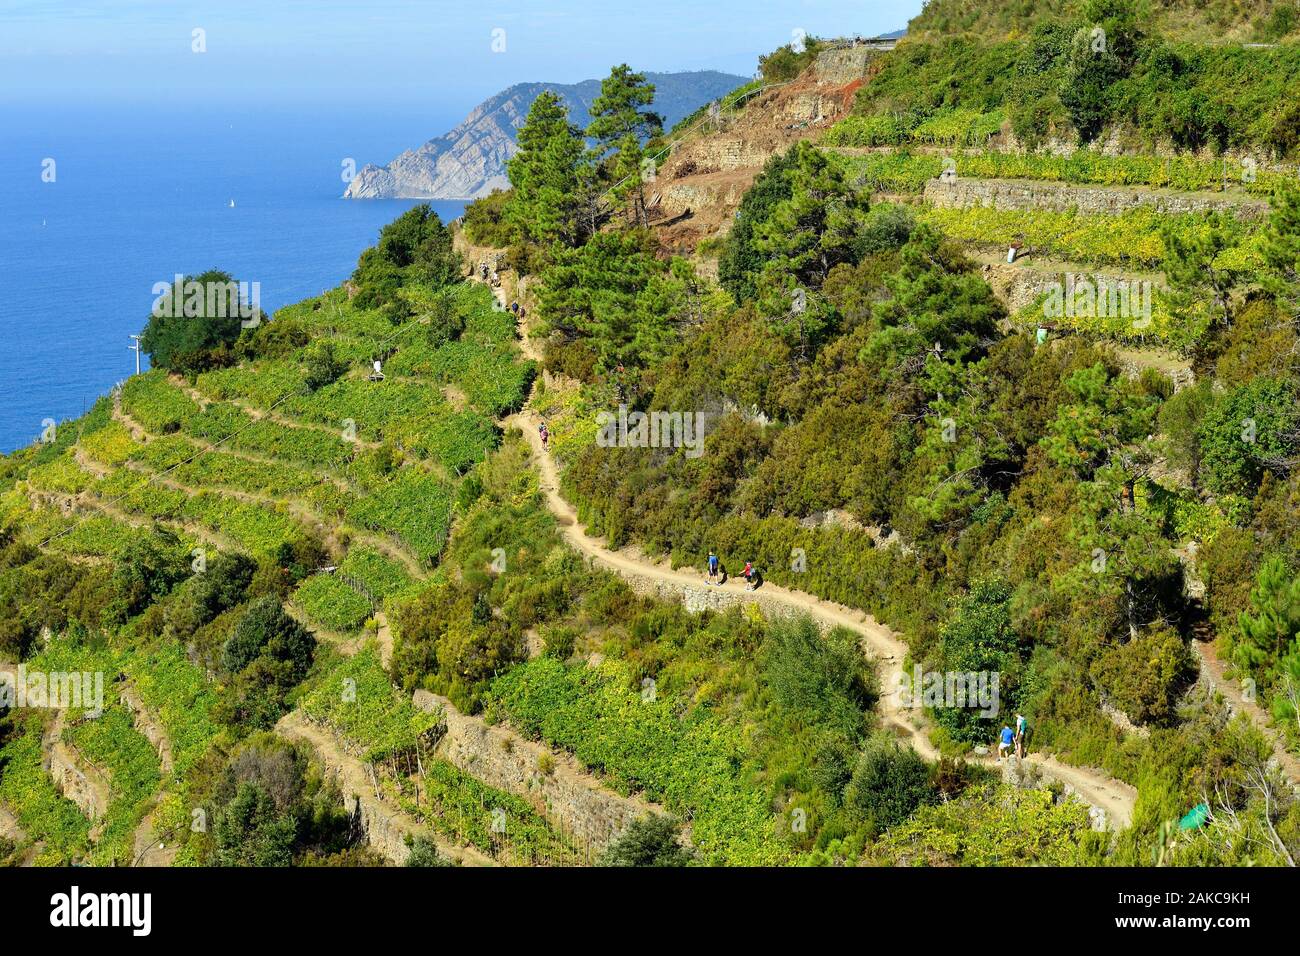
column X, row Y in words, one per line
column 889, row 783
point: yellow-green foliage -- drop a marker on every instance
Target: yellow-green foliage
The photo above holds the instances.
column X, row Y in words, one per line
column 695, row 764
column 155, row 402
column 994, row 826
column 356, row 699
column 110, row 446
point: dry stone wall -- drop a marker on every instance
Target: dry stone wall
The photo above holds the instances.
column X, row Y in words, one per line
column 81, row 783
column 699, row 191
column 573, row 801
column 845, row 64
column 965, row 192
column 1021, row 284
column 148, row 726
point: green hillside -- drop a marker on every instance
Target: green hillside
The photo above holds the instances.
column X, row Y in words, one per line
column 1093, row 71
column 433, row 545
column 1211, row 21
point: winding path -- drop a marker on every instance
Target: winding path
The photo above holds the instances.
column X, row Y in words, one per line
column 1213, row 672
column 1113, row 798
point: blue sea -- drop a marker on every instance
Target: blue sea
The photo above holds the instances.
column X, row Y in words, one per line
column 140, row 194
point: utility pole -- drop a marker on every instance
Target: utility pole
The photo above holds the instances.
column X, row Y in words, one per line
column 135, row 347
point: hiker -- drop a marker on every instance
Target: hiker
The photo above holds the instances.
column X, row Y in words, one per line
column 713, row 567
column 750, row 574
column 1022, row 730
column 1006, row 740
column 546, row 435
column 514, row 307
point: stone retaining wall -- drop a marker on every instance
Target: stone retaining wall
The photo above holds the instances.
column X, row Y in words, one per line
column 73, row 780
column 1021, row 285
column 573, row 801
column 845, row 64
column 697, row 193
column 147, row 725
column 386, row 831
column 964, row 192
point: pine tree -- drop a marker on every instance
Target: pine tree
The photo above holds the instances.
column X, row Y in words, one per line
column 1281, row 249
column 817, row 228
column 1268, row 633
column 619, row 123
column 1194, row 274
column 617, row 112
column 1101, row 437
column 546, row 204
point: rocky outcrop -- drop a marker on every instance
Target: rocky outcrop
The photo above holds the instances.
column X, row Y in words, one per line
column 964, row 192
column 10, row 828
column 573, row 801
column 1122, row 720
column 470, row 160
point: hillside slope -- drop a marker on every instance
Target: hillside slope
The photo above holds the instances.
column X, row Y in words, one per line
column 1204, row 21
column 701, row 181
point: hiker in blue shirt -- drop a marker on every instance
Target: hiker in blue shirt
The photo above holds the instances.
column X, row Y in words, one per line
column 713, row 566
column 1005, row 741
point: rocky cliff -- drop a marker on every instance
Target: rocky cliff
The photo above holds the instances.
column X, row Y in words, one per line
column 470, row 160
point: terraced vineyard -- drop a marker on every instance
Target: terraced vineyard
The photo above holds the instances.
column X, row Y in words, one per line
column 245, row 459
column 361, row 475
column 345, row 613
column 906, row 169
column 1130, row 239
column 107, row 744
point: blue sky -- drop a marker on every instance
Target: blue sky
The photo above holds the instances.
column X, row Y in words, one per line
column 436, row 53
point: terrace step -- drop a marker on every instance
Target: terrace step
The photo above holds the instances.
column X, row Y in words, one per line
column 572, row 800
column 963, row 192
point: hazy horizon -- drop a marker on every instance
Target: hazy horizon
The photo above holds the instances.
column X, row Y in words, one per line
column 440, row 57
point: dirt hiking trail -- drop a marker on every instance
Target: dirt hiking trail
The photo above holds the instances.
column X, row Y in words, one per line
column 1114, row 798
column 1213, row 672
